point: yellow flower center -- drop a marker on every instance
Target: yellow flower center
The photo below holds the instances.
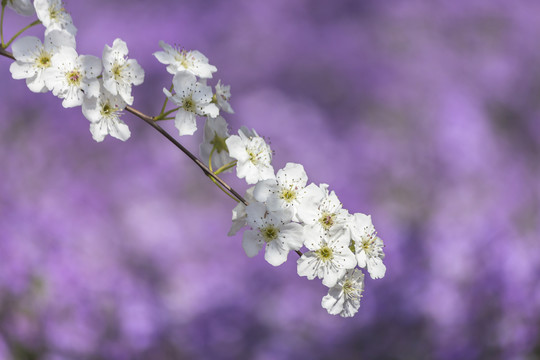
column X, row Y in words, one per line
column 325, row 253
column 182, row 58
column 254, row 157
column 117, row 71
column 327, row 220
column 55, row 12
column 189, row 105
column 74, row 77
column 44, row 60
column 288, row 195
column 269, row 233
column 351, row 290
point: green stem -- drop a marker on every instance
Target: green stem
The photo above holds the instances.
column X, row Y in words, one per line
column 2, row 23
column 225, row 167
column 222, row 189
column 164, row 115
column 166, row 101
column 21, row 31
column 210, row 158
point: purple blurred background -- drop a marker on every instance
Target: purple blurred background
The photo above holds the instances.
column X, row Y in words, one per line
column 424, row 114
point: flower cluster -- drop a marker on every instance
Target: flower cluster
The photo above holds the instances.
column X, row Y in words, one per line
column 102, row 87
column 283, row 212
column 195, row 99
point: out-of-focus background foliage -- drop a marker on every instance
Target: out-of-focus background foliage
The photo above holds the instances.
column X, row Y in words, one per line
column 424, row 114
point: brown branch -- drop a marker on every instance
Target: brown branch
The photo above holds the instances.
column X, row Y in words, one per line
column 6, row 53
column 150, row 121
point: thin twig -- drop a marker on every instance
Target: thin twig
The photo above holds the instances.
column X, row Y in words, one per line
column 150, row 121
column 21, row 31
column 6, row 53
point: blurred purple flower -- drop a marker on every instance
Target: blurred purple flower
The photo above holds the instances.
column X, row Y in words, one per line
column 424, row 114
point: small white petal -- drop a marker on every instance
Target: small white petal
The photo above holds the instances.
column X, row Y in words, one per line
column 185, row 122
column 332, row 303
column 252, row 243
column 276, row 253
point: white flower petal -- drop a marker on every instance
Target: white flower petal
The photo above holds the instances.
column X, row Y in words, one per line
column 99, row 131
column 307, row 265
column 332, row 302
column 376, row 268
column 91, row 65
column 293, row 235
column 276, row 252
column 21, row 70
column 264, row 188
column 185, row 122
column 256, row 214
column 211, row 110
column 237, row 149
column 119, row 130
column 252, row 243
column 23, row 48
column 36, row 84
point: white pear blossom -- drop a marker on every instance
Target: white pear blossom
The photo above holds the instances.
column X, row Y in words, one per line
column 194, row 98
column 104, row 112
column 344, row 297
column 54, row 16
column 273, row 229
column 215, row 133
column 327, row 215
column 22, row 7
column 119, row 72
column 180, row 60
column 72, row 77
column 32, row 57
column 253, row 154
column 288, row 190
column 368, row 246
column 329, row 256
column 239, row 215
column 223, row 95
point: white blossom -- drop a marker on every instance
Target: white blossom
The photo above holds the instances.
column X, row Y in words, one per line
column 119, row 73
column 22, row 7
column 72, row 77
column 239, row 215
column 194, row 98
column 329, row 256
column 288, row 190
column 327, row 214
column 273, row 229
column 253, row 154
column 54, row 16
column 344, row 297
column 180, row 60
column 215, row 133
column 104, row 112
column 32, row 57
column 223, row 95
column 368, row 246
